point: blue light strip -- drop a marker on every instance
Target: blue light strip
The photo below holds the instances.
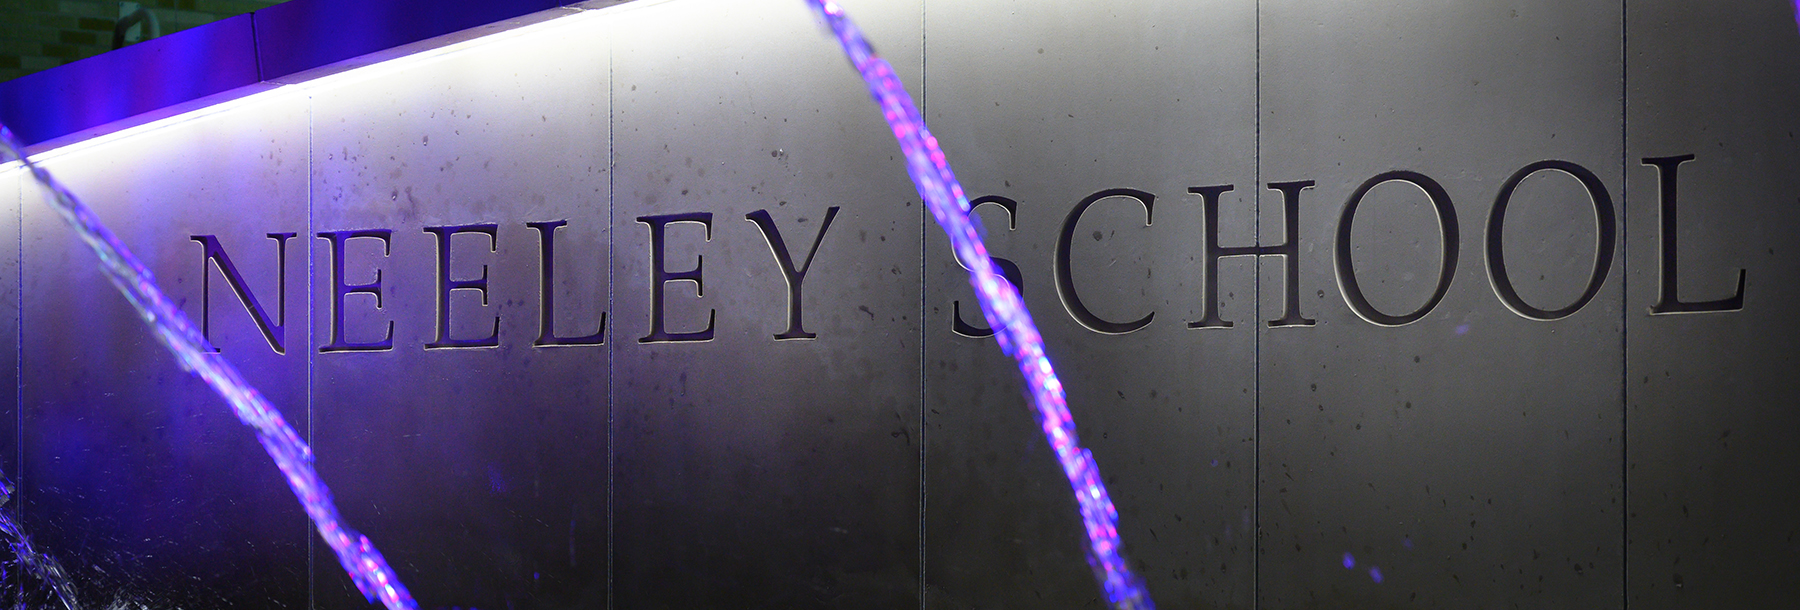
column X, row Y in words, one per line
column 1001, row 304
column 293, row 456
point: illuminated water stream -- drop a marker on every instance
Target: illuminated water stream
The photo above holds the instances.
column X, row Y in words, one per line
column 1000, row 304
column 292, row 455
column 26, row 564
column 925, row 162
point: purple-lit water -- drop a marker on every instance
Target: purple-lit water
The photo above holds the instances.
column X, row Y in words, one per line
column 292, row 455
column 925, row 161
column 29, row 569
column 1000, row 304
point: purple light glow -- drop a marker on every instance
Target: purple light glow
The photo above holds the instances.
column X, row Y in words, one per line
column 37, row 565
column 1000, row 304
column 292, row 455
column 1349, row 561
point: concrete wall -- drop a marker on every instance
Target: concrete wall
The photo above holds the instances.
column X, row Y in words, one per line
column 1505, row 359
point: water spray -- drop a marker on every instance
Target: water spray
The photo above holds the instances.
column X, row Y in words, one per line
column 293, row 456
column 1000, row 304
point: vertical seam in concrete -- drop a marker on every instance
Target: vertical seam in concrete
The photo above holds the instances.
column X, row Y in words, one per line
column 1624, row 306
column 1256, row 341
column 924, row 447
column 611, row 348
column 312, row 588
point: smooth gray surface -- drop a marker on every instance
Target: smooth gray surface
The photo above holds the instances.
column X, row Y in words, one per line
column 1047, row 105
column 1473, row 457
column 480, row 471
column 1711, row 453
column 750, row 471
column 11, row 183
column 138, row 476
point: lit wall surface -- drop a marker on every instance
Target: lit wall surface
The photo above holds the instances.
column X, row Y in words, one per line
column 1467, row 381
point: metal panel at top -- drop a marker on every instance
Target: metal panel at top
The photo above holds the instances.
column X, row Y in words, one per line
column 1714, row 175
column 136, row 476
column 115, row 86
column 1081, row 131
column 460, row 205
column 766, row 378
column 1440, row 418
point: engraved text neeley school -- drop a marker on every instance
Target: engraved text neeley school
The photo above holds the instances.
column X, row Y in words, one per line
column 784, row 259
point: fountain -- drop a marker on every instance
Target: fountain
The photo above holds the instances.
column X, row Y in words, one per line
column 1000, row 304
column 28, row 569
column 172, row 328
column 1313, row 406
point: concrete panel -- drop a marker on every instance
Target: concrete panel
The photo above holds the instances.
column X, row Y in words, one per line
column 1711, row 480
column 1126, row 107
column 752, row 470
column 136, row 476
column 11, row 182
column 471, row 452
column 1442, row 454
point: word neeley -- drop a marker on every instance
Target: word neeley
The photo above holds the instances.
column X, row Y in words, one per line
column 273, row 328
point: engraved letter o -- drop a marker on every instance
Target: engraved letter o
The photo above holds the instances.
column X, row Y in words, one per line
column 1346, row 272
column 1603, row 219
